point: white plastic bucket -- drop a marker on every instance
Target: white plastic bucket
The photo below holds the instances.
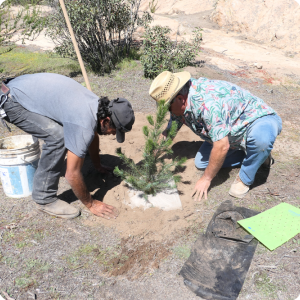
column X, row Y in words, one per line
column 19, row 157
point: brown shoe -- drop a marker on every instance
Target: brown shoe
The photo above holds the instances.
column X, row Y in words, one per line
column 268, row 162
column 238, row 188
column 60, row 209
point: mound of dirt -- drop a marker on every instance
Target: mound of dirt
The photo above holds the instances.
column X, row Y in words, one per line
column 275, row 21
column 135, row 259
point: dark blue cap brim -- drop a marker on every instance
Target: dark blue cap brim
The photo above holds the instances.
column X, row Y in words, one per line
column 120, row 135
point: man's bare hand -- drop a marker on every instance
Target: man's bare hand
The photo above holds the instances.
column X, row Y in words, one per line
column 201, row 188
column 103, row 210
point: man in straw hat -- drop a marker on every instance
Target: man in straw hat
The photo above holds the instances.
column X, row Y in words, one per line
column 69, row 118
column 238, row 127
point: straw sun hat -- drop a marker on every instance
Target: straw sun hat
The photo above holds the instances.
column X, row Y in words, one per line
column 166, row 85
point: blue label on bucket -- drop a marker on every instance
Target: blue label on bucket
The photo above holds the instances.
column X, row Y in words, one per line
column 30, row 169
column 17, row 180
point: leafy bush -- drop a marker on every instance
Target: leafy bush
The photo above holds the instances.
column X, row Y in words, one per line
column 103, row 30
column 25, row 2
column 25, row 19
column 153, row 174
column 153, row 6
column 161, row 54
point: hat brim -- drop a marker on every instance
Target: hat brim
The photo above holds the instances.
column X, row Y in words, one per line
column 183, row 77
column 120, row 135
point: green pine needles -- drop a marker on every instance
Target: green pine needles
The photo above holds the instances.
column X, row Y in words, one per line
column 153, row 174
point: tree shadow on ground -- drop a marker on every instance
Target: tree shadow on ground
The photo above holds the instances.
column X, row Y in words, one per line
column 95, row 180
column 185, row 149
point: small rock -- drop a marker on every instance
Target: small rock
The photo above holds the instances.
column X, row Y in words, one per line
column 258, row 65
column 175, row 218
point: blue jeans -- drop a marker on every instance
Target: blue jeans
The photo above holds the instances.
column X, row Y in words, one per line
column 46, row 177
column 261, row 135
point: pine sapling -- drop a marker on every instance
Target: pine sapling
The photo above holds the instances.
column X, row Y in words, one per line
column 154, row 174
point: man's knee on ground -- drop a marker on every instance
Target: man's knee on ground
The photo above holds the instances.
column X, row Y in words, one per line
column 200, row 165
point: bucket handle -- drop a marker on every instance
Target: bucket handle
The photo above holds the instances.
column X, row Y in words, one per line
column 28, row 162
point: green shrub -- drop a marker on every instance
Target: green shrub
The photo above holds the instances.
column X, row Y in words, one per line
column 26, row 19
column 25, row 2
column 161, row 54
column 103, row 30
column 153, row 6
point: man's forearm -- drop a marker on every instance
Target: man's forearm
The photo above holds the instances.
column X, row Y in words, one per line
column 216, row 159
column 80, row 190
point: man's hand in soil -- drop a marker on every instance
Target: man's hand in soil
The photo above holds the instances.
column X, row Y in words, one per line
column 201, row 188
column 216, row 160
column 74, row 177
column 103, row 210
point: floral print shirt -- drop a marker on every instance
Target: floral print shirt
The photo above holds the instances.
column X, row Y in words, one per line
column 216, row 109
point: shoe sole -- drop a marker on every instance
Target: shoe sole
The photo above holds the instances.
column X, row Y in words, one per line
column 60, row 216
column 240, row 196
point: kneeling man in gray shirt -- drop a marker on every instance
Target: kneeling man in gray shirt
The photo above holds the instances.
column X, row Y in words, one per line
column 68, row 117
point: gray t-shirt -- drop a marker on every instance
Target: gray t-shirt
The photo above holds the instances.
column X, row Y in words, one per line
column 63, row 100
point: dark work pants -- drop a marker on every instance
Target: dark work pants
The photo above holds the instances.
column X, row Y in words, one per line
column 45, row 182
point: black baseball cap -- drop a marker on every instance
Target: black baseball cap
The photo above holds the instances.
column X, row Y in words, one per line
column 122, row 116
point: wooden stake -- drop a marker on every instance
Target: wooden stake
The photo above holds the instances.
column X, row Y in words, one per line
column 63, row 7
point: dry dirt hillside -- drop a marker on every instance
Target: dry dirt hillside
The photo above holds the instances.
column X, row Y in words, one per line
column 275, row 21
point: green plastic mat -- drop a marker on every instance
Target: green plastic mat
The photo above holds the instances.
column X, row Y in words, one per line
column 274, row 226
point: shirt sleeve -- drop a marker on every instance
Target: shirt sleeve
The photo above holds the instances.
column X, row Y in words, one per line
column 216, row 116
column 77, row 139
